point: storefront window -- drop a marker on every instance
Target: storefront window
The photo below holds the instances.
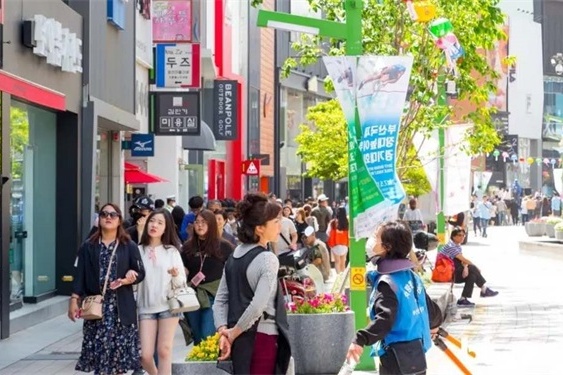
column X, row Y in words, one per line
column 103, row 167
column 33, row 197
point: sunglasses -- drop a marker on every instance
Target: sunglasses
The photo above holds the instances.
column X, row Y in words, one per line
column 106, row 214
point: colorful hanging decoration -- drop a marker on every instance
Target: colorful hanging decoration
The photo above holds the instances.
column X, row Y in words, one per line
column 496, row 153
column 504, row 156
column 530, row 160
column 425, row 11
column 546, row 161
column 538, row 161
column 442, row 31
column 552, row 162
column 514, row 158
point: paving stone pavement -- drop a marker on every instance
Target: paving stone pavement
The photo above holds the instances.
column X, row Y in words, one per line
column 518, row 332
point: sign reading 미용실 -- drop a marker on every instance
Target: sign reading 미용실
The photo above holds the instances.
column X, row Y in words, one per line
column 178, row 65
column 175, row 113
column 225, row 100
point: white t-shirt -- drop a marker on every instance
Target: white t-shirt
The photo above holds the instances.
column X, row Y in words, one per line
column 413, row 215
column 287, row 229
column 153, row 290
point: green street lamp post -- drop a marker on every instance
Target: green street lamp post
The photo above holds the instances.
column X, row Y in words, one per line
column 351, row 32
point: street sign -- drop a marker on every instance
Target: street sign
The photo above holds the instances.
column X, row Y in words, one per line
column 178, row 65
column 251, row 167
column 357, row 278
column 142, row 144
column 264, row 158
column 175, row 113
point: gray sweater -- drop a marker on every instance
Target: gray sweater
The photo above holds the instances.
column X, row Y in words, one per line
column 262, row 276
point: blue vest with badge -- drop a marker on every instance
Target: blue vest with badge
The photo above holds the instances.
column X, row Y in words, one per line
column 411, row 320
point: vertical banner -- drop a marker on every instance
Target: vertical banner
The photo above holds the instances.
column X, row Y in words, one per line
column 480, row 182
column 457, row 170
column 378, row 86
column 225, row 99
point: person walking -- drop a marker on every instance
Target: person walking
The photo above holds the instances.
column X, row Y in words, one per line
column 323, row 214
column 400, row 309
column 484, row 212
column 108, row 263
column 204, row 256
column 556, row 204
column 465, row 270
column 338, row 239
column 249, row 309
column 164, row 271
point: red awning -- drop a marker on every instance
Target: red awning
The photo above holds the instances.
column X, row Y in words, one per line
column 129, row 166
column 137, row 176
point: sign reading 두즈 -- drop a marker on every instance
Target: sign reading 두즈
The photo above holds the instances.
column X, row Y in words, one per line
column 225, row 99
column 142, row 144
column 175, row 113
column 60, row 46
column 178, row 65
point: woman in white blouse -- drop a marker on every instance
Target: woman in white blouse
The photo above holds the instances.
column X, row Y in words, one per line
column 164, row 269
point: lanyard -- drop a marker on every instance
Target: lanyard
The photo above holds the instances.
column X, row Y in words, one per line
column 202, row 260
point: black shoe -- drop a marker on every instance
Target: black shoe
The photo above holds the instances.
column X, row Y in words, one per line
column 464, row 302
column 489, row 293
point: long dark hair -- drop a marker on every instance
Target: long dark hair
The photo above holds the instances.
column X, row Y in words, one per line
column 122, row 235
column 342, row 218
column 178, row 214
column 254, row 210
column 169, row 237
column 211, row 245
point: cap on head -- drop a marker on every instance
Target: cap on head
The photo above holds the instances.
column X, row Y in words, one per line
column 144, row 203
column 322, row 198
column 308, row 231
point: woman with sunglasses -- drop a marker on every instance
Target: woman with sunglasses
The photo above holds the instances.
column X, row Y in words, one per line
column 204, row 256
column 164, row 270
column 110, row 345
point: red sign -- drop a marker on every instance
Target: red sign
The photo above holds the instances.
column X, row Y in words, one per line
column 251, row 167
column 32, row 92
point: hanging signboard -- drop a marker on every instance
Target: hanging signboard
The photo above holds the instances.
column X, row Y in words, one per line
column 175, row 113
column 178, row 65
column 225, row 99
column 251, row 167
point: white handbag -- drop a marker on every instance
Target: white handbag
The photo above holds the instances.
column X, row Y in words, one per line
column 182, row 299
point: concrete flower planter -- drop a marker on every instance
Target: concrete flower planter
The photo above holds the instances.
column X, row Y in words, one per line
column 319, row 342
column 196, row 368
column 550, row 230
column 559, row 235
column 535, row 229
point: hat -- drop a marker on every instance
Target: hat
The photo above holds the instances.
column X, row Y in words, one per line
column 309, row 231
column 171, row 197
column 279, row 201
column 322, row 198
column 144, row 203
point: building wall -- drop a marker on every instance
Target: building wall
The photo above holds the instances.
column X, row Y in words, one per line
column 20, row 60
column 267, row 87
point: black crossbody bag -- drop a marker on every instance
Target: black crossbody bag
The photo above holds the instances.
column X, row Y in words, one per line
column 410, row 356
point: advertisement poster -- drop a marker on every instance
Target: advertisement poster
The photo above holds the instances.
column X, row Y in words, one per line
column 172, row 21
column 178, row 65
column 378, row 85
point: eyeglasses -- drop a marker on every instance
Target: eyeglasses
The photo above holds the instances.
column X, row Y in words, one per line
column 106, row 214
column 200, row 222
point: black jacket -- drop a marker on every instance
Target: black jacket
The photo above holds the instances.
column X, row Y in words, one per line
column 87, row 271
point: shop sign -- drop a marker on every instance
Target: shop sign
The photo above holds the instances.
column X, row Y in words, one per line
column 225, row 99
column 251, row 167
column 175, row 113
column 116, row 13
column 172, row 21
column 61, row 47
column 142, row 144
column 178, row 65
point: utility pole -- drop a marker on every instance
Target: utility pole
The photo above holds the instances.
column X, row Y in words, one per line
column 350, row 32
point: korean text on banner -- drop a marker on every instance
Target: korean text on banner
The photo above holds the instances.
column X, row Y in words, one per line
column 378, row 86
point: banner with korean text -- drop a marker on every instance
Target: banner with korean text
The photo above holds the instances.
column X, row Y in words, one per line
column 377, row 86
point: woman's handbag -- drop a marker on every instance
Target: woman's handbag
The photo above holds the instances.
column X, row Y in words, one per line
column 92, row 305
column 410, row 356
column 182, row 299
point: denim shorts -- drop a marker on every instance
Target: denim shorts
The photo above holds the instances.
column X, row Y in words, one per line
column 157, row 316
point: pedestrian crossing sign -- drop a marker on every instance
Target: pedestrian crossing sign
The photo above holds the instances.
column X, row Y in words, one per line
column 251, row 167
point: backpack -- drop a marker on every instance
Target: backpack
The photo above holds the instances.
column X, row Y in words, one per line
column 443, row 271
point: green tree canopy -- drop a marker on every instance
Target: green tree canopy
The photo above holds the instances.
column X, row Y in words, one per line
column 389, row 30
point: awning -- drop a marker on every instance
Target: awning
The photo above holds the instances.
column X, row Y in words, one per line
column 204, row 141
column 137, row 176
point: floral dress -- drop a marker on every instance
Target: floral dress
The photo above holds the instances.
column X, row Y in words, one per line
column 109, row 347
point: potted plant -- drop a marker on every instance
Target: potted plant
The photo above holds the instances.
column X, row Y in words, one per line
column 201, row 360
column 535, row 228
column 559, row 231
column 550, row 224
column 320, row 331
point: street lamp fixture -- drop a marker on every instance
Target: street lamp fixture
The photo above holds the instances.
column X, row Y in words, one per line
column 557, row 63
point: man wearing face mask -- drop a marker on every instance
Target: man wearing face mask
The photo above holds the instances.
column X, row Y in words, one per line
column 141, row 208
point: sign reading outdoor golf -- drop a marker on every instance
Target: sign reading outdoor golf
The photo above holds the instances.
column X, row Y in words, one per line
column 379, row 85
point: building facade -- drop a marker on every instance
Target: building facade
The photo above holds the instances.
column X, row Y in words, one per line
column 41, row 122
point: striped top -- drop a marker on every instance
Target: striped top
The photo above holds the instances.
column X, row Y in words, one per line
column 451, row 249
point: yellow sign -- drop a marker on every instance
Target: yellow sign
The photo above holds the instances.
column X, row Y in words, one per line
column 357, row 278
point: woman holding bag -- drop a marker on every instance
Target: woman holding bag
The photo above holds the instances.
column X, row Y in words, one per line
column 164, row 271
column 109, row 258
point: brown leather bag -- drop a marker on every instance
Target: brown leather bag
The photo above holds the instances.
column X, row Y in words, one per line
column 92, row 305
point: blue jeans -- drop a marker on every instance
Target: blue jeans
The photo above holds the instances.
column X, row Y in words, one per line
column 201, row 322
column 484, row 224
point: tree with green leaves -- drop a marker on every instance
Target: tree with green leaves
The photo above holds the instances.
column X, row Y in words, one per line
column 389, row 30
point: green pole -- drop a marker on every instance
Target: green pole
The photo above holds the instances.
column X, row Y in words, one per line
column 441, row 218
column 358, row 298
